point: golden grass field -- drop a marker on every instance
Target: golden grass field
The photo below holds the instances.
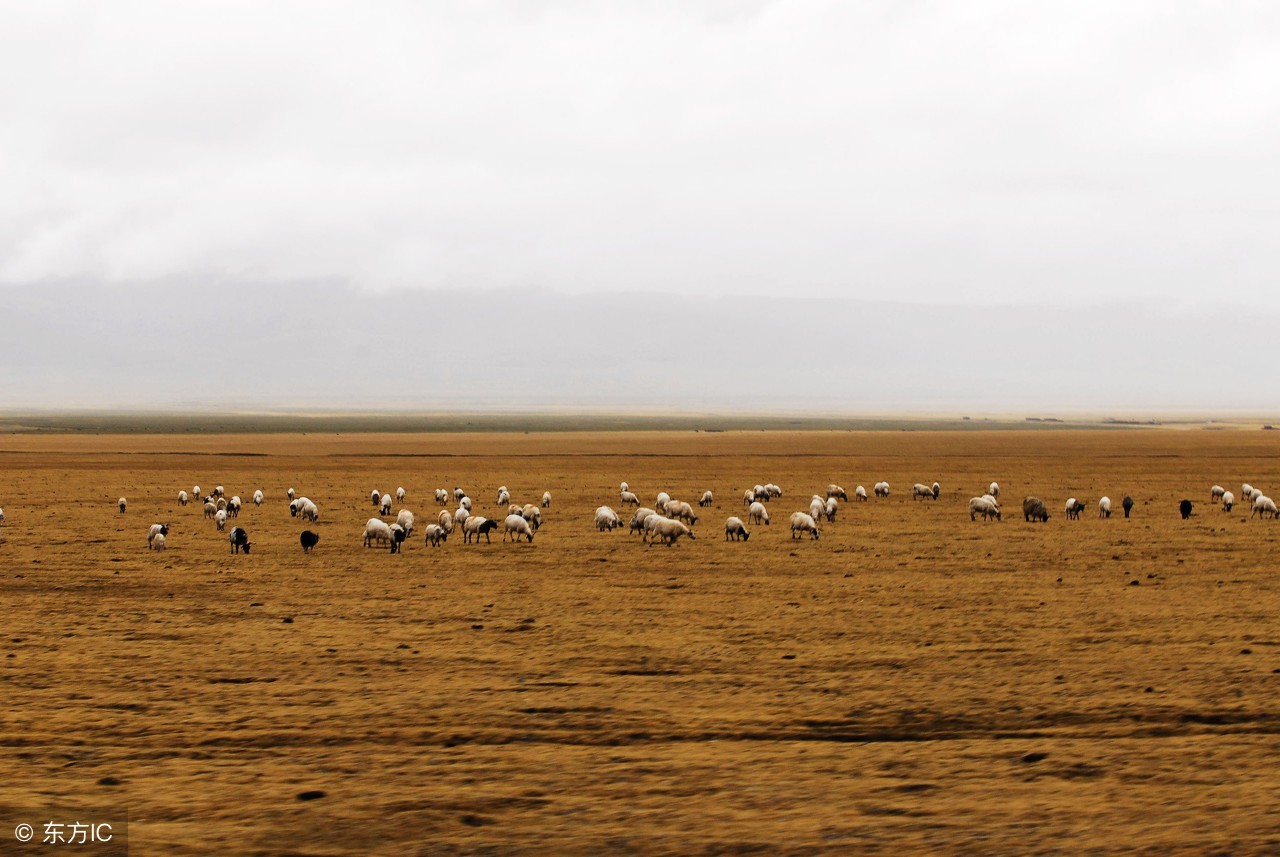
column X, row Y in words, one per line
column 911, row 683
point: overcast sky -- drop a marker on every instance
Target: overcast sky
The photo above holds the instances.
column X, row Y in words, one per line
column 1047, row 153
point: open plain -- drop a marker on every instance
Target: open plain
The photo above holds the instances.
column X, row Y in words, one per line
column 911, row 682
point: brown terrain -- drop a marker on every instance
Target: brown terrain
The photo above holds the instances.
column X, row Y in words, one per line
column 912, row 682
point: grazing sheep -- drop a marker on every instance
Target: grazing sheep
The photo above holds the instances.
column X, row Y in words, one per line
column 642, row 514
column 442, row 497
column 748, row 497
column 830, row 510
column 233, row 507
column 291, row 493
column 405, row 519
column 504, row 496
column 607, row 519
column 681, row 511
column 834, row 490
column 802, row 523
column 460, row 515
column 817, row 507
column 546, row 499
column 221, row 503
column 376, row 529
column 210, row 509
column 157, row 544
column 398, row 536
column 661, row 502
column 221, row 519
column 465, row 503
column 993, row 489
column 629, row 499
column 376, row 497
column 122, row 503
column 1228, row 500
column 1033, row 509
column 446, row 521
column 436, row 534
column 984, row 506
column 860, row 494
column 881, row 489
column 758, row 514
column 458, row 492
column 1127, row 505
column 195, row 493
column 384, row 507
column 533, row 515
column 239, row 540
column 734, row 530
column 400, row 494
column 476, row 526
column 937, row 490
column 156, row 530
column 1263, row 506
column 516, row 526
column 257, row 497
column 182, row 498
column 308, row 509
column 1184, row 509
column 1074, row 508
column 217, row 491
column 706, row 499
column 921, row 490
column 772, row 490
column 1255, row 494
column 1104, row 507
column 308, row 540
column 1246, row 492
column 667, row 529
column 515, row 509
column 624, row 487
column 1216, row 492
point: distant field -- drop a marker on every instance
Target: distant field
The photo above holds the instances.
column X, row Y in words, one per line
column 912, row 682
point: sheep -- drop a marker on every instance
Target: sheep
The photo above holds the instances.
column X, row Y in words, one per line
column 681, row 511
column 504, row 496
column 445, row 521
column 992, row 498
column 1246, row 492
column 758, row 514
column 308, row 540
column 400, row 494
column 705, row 499
column 258, row 497
column 233, row 507
column 210, row 509
column 830, row 510
column 607, row 519
column 1216, row 492
column 221, row 519
column 515, row 509
column 762, row 493
column 436, row 534
column 442, row 497
column 749, row 497
column 477, row 526
column 1104, row 507
column 195, row 493
column 221, row 503
column 1254, row 494
column 921, row 490
column 217, row 491
column 533, row 515
column 384, row 507
column 157, row 544
column 802, row 523
column 1184, row 508
column 156, row 530
column 376, row 497
column 293, row 508
column 291, row 493
column 1074, row 508
column 376, row 529
column 122, row 503
column 460, row 515
column 1262, row 506
column 994, row 489
column 405, row 519
column 239, row 540
column 860, row 494
column 1033, row 509
column 308, row 509
column 516, row 526
column 458, row 493
column 772, row 490
column 1228, row 500
column 937, row 489
column 985, row 507
column 817, row 507
column 734, row 529
column 661, row 502
column 182, row 498
column 397, row 536
column 624, row 487
column 629, row 499
column 464, row 502
column 667, row 529
column 834, row 490
column 636, row 524
column 881, row 489
column 1, row 516
column 1127, row 505
column 546, row 499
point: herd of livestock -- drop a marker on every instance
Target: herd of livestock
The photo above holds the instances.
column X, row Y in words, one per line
column 666, row 522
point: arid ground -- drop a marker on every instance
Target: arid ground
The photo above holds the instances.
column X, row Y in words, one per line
column 912, row 682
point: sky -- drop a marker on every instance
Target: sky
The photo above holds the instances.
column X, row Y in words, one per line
column 1049, row 156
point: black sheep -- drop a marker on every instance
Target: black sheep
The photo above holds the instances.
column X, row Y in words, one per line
column 1127, row 503
column 308, row 540
column 239, row 539
column 1185, row 508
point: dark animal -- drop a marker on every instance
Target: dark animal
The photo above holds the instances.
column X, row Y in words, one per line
column 1127, row 503
column 239, row 539
column 1033, row 509
column 485, row 528
column 1074, row 510
column 308, row 540
column 397, row 537
column 1184, row 508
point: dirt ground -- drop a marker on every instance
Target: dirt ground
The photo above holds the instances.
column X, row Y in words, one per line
column 912, row 682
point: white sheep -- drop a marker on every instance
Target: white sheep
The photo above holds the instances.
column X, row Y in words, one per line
column 436, row 534
column 515, row 509
column 624, row 487
column 308, row 509
column 772, row 490
column 384, row 507
column 122, row 503
column 546, row 499
column 802, row 523
column 817, row 507
column 860, row 494
column 748, row 497
column 442, row 497
column 607, row 519
column 706, row 499
column 830, row 510
column 258, row 497
column 1228, row 500
column 881, row 489
column 667, row 529
column 661, row 502
column 1, row 516
column 1263, row 506
column 210, row 509
column 376, row 529
column 400, row 494
column 375, row 497
column 157, row 543
column 834, row 490
column 446, row 521
column 195, row 493
column 405, row 519
column 758, row 514
column 233, row 506
column 156, row 530
column 182, row 498
column 681, row 511
column 734, row 530
column 1074, row 508
column 1216, row 492
column 217, row 490
column 221, row 503
column 1254, row 494
column 460, row 515
column 629, row 499
column 532, row 514
column 985, row 507
column 516, row 526
column 221, row 519
column 1104, row 507
column 642, row 514
column 504, row 496
column 994, row 489
column 464, row 502
column 921, row 490
column 291, row 493
column 1246, row 492
column 458, row 493
column 476, row 526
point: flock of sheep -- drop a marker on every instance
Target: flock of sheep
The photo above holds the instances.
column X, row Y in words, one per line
column 666, row 522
